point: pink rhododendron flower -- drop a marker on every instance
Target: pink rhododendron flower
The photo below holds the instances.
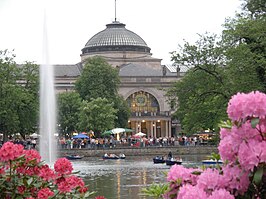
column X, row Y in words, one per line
column 31, row 155
column 46, row 173
column 244, row 105
column 2, row 170
column 224, row 132
column 210, row 180
column 21, row 189
column 248, row 156
column 178, row 172
column 63, row 166
column 245, row 132
column 184, row 174
column 236, row 179
column 70, row 183
column 10, row 151
column 28, row 170
column 45, row 193
column 261, row 150
column 100, row 197
column 228, row 148
column 191, row 192
column 83, row 189
column 221, row 194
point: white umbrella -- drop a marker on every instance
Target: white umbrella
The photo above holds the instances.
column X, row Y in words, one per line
column 34, row 135
column 140, row 134
column 118, row 130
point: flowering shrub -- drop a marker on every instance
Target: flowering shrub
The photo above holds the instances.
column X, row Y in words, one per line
column 243, row 151
column 23, row 175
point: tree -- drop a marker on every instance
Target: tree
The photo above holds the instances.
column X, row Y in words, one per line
column 123, row 112
column 200, row 96
column 97, row 115
column 100, row 79
column 245, row 39
column 220, row 69
column 69, row 105
column 18, row 96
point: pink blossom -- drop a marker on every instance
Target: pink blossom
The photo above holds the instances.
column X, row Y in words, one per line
column 210, row 180
column 45, row 193
column 248, row 156
column 245, row 132
column 221, row 194
column 28, row 170
column 10, row 151
column 100, row 197
column 21, row 189
column 46, row 173
column 2, row 170
column 31, row 155
column 224, row 132
column 236, row 179
column 191, row 192
column 70, row 183
column 228, row 148
column 261, row 150
column 243, row 105
column 63, row 166
column 183, row 174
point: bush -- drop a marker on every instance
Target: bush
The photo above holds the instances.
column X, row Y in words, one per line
column 24, row 175
column 243, row 151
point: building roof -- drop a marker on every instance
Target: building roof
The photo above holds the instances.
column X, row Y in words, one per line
column 67, row 70
column 115, row 38
column 138, row 70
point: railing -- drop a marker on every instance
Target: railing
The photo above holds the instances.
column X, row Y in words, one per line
column 138, row 114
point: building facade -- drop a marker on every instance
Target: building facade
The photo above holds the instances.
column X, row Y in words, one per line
column 144, row 80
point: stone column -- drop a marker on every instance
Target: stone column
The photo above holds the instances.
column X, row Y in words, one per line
column 170, row 128
column 155, row 130
column 152, row 127
column 166, row 129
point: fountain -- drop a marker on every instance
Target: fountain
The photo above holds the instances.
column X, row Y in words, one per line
column 47, row 105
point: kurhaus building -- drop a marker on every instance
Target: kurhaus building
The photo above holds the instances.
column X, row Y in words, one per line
column 143, row 78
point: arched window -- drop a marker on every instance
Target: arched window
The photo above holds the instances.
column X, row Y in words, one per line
column 143, row 102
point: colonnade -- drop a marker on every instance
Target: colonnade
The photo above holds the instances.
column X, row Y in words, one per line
column 152, row 128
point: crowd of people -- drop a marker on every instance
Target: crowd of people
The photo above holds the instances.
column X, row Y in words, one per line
column 112, row 142
column 129, row 141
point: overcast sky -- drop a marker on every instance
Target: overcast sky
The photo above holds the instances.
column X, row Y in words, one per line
column 163, row 24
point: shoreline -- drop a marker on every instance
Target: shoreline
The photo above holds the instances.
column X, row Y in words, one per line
column 142, row 151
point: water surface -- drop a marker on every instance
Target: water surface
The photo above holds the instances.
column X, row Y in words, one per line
column 124, row 179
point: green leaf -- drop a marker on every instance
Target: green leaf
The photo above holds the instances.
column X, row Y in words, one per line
column 254, row 122
column 258, row 176
column 225, row 124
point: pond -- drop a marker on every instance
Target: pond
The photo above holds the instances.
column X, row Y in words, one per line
column 124, row 179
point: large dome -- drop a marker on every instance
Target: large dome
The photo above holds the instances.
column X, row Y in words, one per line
column 115, row 38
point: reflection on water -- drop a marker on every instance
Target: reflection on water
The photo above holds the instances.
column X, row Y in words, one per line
column 124, row 179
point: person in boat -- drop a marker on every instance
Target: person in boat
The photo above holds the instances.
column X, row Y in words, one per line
column 113, row 155
column 170, row 155
column 106, row 155
column 122, row 155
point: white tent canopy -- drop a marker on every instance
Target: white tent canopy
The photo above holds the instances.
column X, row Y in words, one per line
column 140, row 134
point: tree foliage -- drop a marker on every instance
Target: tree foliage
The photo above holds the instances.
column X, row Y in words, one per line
column 97, row 115
column 69, row 105
column 220, row 67
column 200, row 96
column 18, row 96
column 100, row 80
